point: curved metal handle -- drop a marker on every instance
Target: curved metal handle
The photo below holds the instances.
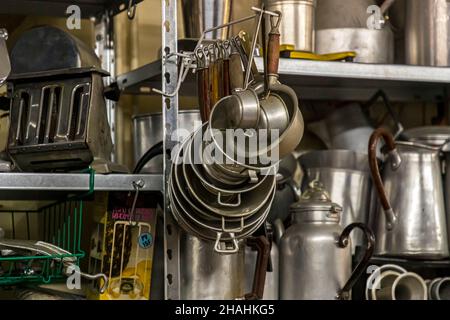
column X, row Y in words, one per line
column 344, row 293
column 234, row 242
column 278, row 231
column 262, row 245
column 96, row 277
column 391, row 217
column 88, row 276
column 224, row 229
column 232, row 205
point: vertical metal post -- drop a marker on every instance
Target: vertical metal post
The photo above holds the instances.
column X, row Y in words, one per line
column 170, row 114
column 104, row 48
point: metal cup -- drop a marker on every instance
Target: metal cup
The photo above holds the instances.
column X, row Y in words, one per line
column 382, row 289
column 409, row 286
column 394, row 285
column 439, row 289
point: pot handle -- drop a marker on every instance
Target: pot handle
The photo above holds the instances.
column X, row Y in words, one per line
column 262, row 246
column 391, row 217
column 224, row 204
column 233, row 249
column 273, row 47
column 344, row 293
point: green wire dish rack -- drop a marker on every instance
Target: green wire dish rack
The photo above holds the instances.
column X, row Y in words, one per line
column 60, row 224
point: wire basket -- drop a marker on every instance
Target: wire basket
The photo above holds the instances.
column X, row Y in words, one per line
column 60, row 224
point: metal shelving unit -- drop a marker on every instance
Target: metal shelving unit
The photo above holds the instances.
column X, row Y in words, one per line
column 341, row 80
column 311, row 79
column 41, row 185
column 15, row 186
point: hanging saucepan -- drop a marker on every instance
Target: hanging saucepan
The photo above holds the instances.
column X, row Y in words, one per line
column 225, row 202
column 222, row 230
column 283, row 145
column 178, row 180
column 207, row 227
column 216, row 223
column 241, row 185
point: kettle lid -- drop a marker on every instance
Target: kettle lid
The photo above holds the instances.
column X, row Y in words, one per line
column 316, row 198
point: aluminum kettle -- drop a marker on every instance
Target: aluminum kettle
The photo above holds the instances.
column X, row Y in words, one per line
column 315, row 252
column 411, row 194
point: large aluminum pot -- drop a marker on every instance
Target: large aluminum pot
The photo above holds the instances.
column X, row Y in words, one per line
column 427, row 32
column 207, row 275
column 371, row 46
column 297, row 27
column 148, row 131
column 411, row 221
column 342, row 26
column 200, row 15
column 346, row 176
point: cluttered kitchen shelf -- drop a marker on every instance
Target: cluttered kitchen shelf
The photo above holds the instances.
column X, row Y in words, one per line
column 343, row 80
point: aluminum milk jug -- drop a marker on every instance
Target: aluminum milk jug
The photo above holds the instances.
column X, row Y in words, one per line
column 315, row 252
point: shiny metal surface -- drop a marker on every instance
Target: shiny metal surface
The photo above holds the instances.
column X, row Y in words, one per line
column 415, row 192
column 271, row 286
column 394, row 285
column 434, row 136
column 274, row 113
column 298, row 24
column 346, row 176
column 207, row 275
column 409, row 286
column 35, row 51
column 427, row 32
column 312, row 267
column 200, row 15
column 342, row 14
column 382, row 287
column 148, row 131
column 439, row 289
column 371, row 46
column 239, row 110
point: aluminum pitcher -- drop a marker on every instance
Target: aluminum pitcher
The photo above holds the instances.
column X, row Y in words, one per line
column 411, row 194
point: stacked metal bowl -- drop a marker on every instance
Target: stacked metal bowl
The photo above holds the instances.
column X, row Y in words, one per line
column 221, row 202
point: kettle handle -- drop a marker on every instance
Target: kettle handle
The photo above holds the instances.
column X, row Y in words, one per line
column 262, row 246
column 343, row 242
column 391, row 217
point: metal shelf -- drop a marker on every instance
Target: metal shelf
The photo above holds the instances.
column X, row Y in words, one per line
column 320, row 80
column 89, row 8
column 18, row 186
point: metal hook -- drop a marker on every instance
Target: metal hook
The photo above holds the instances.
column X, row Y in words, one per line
column 131, row 9
column 137, row 185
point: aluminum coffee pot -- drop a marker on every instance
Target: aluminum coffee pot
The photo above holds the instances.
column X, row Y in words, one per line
column 412, row 198
column 315, row 252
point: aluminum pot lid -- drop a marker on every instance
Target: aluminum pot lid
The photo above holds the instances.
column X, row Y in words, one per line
column 316, row 198
column 434, row 136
